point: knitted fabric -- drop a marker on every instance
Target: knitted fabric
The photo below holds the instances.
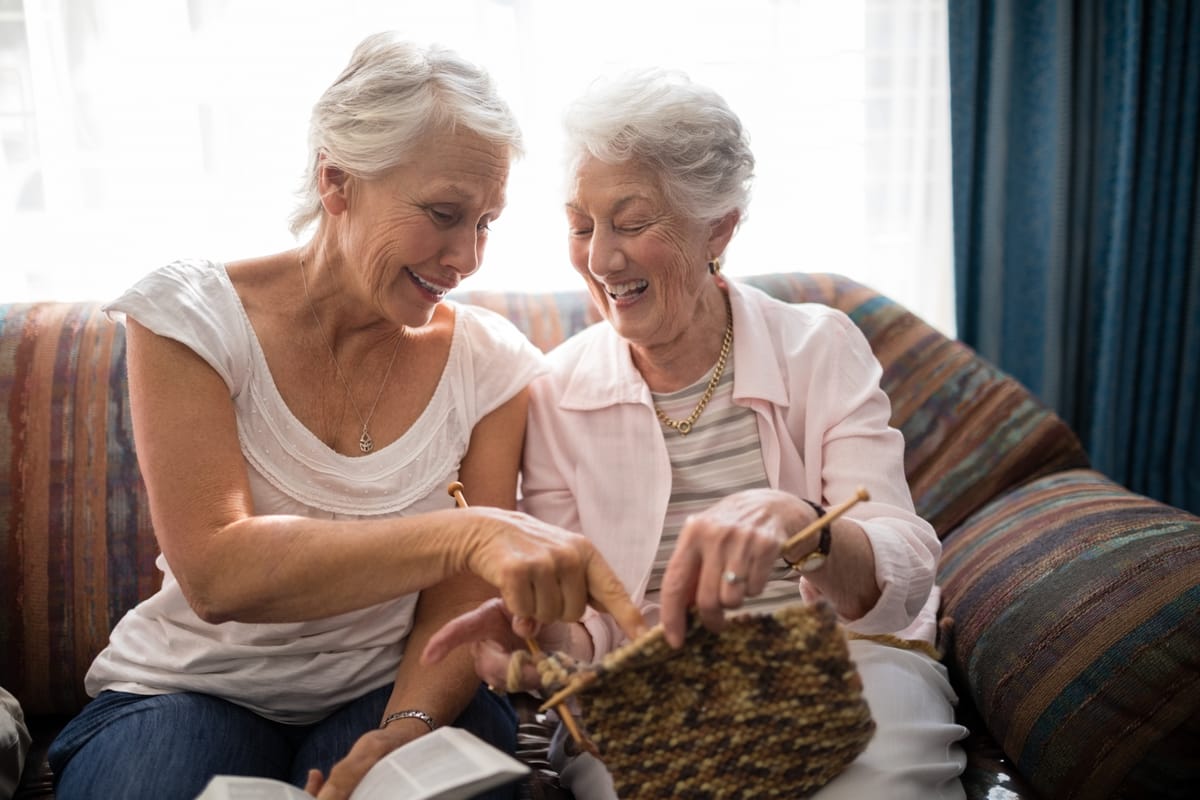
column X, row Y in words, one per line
column 770, row 707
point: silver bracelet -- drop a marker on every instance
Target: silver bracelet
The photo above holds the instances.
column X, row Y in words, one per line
column 410, row 713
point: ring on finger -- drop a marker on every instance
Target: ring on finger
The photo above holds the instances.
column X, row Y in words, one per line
column 732, row 578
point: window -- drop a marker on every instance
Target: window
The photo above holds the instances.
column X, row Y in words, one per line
column 139, row 131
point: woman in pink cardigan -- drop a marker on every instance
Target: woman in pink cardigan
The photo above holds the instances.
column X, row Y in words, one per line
column 702, row 423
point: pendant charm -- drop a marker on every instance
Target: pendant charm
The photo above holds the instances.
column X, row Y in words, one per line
column 365, row 442
column 684, row 428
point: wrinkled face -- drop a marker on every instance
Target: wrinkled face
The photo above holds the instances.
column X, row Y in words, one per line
column 416, row 232
column 645, row 263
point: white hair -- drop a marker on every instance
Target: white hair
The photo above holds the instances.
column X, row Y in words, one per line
column 388, row 97
column 682, row 130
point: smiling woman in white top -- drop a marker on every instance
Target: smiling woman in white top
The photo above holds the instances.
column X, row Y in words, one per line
column 298, row 417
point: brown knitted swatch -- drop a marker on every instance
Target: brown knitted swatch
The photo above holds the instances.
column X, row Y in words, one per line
column 770, row 707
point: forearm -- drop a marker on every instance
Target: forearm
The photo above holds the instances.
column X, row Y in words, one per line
column 444, row 692
column 289, row 568
column 847, row 578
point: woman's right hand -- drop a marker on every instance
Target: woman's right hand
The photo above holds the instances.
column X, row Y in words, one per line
column 546, row 574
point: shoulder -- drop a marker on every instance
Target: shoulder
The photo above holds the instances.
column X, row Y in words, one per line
column 796, row 319
column 784, row 350
column 491, row 359
column 797, row 332
column 194, row 303
column 488, row 331
column 181, row 286
column 594, row 341
column 591, row 352
column 185, row 276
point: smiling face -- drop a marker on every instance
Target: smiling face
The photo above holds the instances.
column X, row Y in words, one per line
column 413, row 234
column 644, row 261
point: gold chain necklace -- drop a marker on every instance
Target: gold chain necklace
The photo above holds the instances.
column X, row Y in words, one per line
column 365, row 442
column 684, row 426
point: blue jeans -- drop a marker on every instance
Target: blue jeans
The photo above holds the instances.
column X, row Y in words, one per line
column 160, row 747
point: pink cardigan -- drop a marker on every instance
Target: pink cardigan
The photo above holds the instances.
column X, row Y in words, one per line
column 595, row 460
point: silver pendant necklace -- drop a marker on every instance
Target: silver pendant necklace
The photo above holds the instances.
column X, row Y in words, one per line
column 365, row 443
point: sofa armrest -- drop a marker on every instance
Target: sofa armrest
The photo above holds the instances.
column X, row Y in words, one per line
column 1077, row 637
column 971, row 432
column 76, row 545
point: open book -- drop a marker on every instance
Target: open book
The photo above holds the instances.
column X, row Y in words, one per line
column 445, row 764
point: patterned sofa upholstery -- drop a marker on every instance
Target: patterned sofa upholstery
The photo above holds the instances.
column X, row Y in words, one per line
column 1075, row 643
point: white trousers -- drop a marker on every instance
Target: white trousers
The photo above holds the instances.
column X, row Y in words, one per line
column 913, row 755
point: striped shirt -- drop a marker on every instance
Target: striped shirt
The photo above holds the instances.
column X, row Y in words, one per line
column 720, row 456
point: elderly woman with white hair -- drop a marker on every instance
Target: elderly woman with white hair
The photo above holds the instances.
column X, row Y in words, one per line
column 702, row 424
column 298, row 417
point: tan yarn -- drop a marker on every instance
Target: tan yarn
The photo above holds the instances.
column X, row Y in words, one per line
column 895, row 641
column 515, row 666
column 770, row 707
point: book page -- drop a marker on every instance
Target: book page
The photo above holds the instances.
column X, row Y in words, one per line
column 240, row 787
column 447, row 764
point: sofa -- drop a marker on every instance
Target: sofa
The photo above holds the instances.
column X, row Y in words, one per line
column 1072, row 605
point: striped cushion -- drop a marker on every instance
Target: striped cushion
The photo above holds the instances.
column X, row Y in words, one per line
column 76, row 547
column 1077, row 628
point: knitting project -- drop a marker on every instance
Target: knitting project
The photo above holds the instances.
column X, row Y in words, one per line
column 770, row 707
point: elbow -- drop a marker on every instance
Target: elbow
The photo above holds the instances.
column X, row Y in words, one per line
column 208, row 577
column 209, row 605
column 210, row 593
column 211, row 613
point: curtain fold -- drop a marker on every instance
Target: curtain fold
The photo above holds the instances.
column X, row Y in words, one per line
column 1076, row 182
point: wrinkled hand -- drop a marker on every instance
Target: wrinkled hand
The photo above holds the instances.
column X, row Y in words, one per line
column 740, row 535
column 370, row 748
column 546, row 573
column 494, row 635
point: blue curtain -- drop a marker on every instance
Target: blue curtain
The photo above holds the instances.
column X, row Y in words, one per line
column 1076, row 161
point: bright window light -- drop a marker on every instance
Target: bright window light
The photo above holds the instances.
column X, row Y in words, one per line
column 135, row 132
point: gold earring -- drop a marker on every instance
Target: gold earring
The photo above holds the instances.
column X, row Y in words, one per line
column 714, row 267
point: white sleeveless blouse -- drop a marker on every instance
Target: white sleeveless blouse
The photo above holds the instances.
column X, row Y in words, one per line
column 300, row 672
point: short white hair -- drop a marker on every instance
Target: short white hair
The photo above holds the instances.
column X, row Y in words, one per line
column 682, row 130
column 388, row 97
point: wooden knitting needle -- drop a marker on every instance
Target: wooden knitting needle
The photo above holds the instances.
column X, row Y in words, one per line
column 577, row 683
column 826, row 518
column 829, row 516
column 456, row 491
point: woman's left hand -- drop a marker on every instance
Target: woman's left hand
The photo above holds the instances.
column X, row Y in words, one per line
column 725, row 554
column 370, row 748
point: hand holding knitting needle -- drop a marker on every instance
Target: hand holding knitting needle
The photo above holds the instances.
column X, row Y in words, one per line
column 809, row 532
column 528, row 629
column 727, row 552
